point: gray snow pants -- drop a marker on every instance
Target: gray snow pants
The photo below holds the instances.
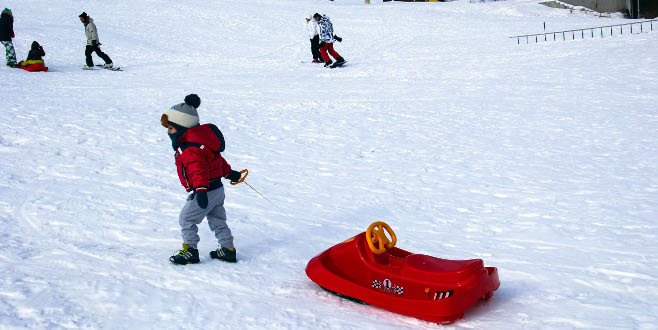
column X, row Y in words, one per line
column 191, row 215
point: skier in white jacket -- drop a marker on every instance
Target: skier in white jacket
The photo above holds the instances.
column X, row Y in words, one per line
column 313, row 35
column 327, row 39
column 93, row 45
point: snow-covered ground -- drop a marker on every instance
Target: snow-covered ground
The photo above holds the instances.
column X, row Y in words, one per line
column 540, row 159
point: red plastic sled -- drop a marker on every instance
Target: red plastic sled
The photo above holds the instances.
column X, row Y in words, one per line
column 33, row 65
column 368, row 268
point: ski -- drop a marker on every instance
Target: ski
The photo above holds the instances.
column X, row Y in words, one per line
column 111, row 69
column 337, row 64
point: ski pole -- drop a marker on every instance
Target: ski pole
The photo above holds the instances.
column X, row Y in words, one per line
column 254, row 189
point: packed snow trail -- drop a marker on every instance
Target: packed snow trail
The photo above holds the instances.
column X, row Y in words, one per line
column 539, row 159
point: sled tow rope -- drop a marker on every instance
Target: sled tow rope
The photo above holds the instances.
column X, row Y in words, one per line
column 246, row 172
column 261, row 195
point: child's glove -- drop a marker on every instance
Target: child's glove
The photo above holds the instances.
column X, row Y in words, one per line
column 339, row 39
column 234, row 176
column 202, row 197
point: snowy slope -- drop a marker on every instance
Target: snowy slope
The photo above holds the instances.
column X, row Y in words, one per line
column 539, row 159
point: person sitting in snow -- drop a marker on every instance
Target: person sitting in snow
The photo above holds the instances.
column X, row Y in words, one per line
column 200, row 170
column 34, row 60
column 93, row 45
column 312, row 28
column 6, row 34
column 327, row 40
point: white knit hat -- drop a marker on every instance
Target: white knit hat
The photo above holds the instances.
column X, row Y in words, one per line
column 184, row 115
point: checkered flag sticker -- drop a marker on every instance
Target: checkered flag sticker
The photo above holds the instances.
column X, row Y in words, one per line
column 399, row 290
column 377, row 284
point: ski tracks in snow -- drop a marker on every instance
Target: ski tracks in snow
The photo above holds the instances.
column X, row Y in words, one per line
column 468, row 146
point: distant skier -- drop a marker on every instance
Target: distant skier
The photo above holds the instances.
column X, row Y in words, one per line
column 312, row 28
column 327, row 40
column 6, row 34
column 200, row 169
column 93, row 45
column 34, row 60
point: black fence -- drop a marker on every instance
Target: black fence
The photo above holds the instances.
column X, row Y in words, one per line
column 595, row 32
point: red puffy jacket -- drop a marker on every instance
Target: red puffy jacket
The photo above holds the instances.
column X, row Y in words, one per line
column 197, row 159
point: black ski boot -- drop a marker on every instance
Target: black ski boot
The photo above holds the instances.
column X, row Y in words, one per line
column 224, row 254
column 328, row 63
column 188, row 255
column 340, row 60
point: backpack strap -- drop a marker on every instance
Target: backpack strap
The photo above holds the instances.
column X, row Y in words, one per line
column 185, row 145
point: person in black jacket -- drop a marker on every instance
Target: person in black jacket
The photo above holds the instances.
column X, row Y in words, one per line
column 34, row 60
column 36, row 53
column 6, row 34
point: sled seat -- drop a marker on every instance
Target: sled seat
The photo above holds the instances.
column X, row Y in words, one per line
column 33, row 65
column 450, row 269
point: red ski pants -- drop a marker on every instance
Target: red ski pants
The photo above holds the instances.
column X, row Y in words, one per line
column 328, row 47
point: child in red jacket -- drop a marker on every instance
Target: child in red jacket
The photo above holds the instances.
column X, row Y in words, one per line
column 200, row 168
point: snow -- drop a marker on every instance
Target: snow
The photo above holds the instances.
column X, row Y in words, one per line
column 540, row 159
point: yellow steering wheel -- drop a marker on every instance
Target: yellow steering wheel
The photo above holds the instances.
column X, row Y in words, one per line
column 376, row 235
